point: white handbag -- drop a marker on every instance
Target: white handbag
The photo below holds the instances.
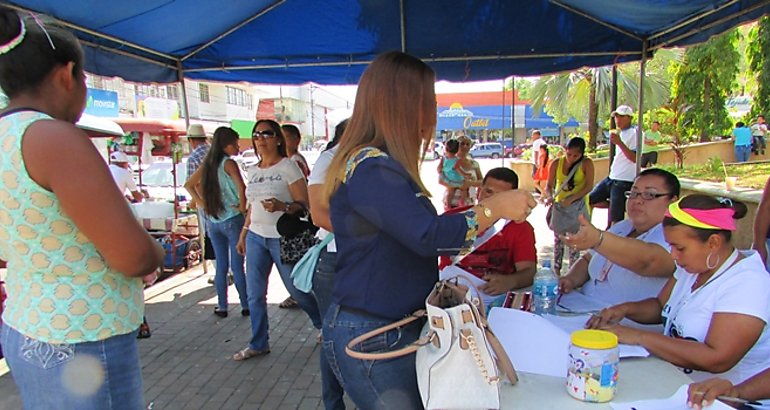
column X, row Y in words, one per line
column 455, row 364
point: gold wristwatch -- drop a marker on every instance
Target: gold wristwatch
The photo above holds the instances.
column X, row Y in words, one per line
column 487, row 212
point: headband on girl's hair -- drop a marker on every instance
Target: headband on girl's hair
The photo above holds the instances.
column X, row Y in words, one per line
column 16, row 40
column 720, row 219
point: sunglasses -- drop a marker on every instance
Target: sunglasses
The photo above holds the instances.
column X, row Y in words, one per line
column 647, row 196
column 263, row 134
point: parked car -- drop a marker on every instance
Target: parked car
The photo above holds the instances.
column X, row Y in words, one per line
column 516, row 151
column 158, row 181
column 487, row 150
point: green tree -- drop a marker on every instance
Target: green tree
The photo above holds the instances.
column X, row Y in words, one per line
column 523, row 85
column 758, row 53
column 585, row 94
column 703, row 81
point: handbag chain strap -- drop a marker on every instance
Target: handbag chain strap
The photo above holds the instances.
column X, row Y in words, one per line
column 569, row 176
column 471, row 341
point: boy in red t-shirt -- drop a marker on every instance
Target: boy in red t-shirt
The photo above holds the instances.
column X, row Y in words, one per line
column 508, row 260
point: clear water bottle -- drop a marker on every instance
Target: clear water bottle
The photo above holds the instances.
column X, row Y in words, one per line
column 545, row 290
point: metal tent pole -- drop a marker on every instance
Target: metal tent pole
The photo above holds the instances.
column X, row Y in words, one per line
column 640, row 122
column 614, row 105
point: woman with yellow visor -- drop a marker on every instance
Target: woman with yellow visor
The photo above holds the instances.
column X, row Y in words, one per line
column 716, row 307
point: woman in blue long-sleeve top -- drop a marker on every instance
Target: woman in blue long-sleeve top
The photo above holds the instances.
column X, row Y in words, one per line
column 387, row 232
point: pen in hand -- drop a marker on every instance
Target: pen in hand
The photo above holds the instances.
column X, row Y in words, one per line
column 734, row 400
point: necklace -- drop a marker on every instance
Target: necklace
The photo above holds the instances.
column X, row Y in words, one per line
column 674, row 312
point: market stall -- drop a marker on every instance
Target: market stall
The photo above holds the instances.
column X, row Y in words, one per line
column 166, row 217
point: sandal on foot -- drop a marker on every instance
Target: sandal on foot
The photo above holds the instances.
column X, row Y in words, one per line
column 144, row 331
column 288, row 303
column 248, row 353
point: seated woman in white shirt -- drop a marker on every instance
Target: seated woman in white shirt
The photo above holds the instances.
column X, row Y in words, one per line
column 716, row 307
column 631, row 260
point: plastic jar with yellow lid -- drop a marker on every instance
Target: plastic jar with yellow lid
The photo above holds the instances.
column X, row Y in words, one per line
column 592, row 373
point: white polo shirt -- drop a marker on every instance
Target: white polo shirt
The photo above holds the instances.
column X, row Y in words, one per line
column 622, row 168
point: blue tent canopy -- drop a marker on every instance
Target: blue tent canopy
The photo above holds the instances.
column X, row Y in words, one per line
column 331, row 42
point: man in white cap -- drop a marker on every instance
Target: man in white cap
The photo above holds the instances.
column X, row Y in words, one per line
column 623, row 168
column 121, row 173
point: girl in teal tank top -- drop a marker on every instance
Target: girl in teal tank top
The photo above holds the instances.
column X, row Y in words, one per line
column 218, row 186
column 75, row 252
column 576, row 189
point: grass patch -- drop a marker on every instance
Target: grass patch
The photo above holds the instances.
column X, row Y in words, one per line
column 750, row 175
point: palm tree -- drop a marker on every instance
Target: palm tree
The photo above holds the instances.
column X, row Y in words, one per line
column 584, row 94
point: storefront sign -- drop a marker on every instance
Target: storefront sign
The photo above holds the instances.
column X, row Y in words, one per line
column 102, row 103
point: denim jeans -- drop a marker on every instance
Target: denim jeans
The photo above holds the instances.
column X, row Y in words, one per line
column 372, row 384
column 614, row 191
column 261, row 254
column 323, row 287
column 558, row 254
column 224, row 238
column 742, row 153
column 89, row 375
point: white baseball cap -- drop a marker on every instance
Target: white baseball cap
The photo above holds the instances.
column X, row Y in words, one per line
column 624, row 110
column 118, row 156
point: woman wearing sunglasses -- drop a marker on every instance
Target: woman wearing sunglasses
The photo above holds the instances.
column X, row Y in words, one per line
column 275, row 185
column 715, row 309
column 631, row 260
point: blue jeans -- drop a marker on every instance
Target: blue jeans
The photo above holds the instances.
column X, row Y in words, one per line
column 89, row 375
column 224, row 238
column 261, row 254
column 372, row 384
column 614, row 191
column 323, row 287
column 742, row 153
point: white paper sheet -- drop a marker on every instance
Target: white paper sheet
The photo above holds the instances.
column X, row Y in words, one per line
column 452, row 271
column 539, row 344
column 533, row 344
column 570, row 324
column 577, row 302
column 676, row 402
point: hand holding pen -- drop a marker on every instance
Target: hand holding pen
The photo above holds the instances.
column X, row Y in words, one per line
column 702, row 394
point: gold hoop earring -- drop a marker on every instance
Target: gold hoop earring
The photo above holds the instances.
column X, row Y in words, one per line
column 708, row 260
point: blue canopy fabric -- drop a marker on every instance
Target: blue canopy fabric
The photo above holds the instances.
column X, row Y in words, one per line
column 331, row 42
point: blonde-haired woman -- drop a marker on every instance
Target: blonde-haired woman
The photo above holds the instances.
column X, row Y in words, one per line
column 387, row 232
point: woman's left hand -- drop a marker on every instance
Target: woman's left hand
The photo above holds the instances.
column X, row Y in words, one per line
column 273, row 205
column 587, row 237
column 626, row 335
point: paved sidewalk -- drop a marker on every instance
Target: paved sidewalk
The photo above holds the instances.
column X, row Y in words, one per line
column 186, row 363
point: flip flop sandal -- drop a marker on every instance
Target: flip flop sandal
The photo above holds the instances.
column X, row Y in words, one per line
column 248, row 353
column 288, row 303
column 144, row 331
